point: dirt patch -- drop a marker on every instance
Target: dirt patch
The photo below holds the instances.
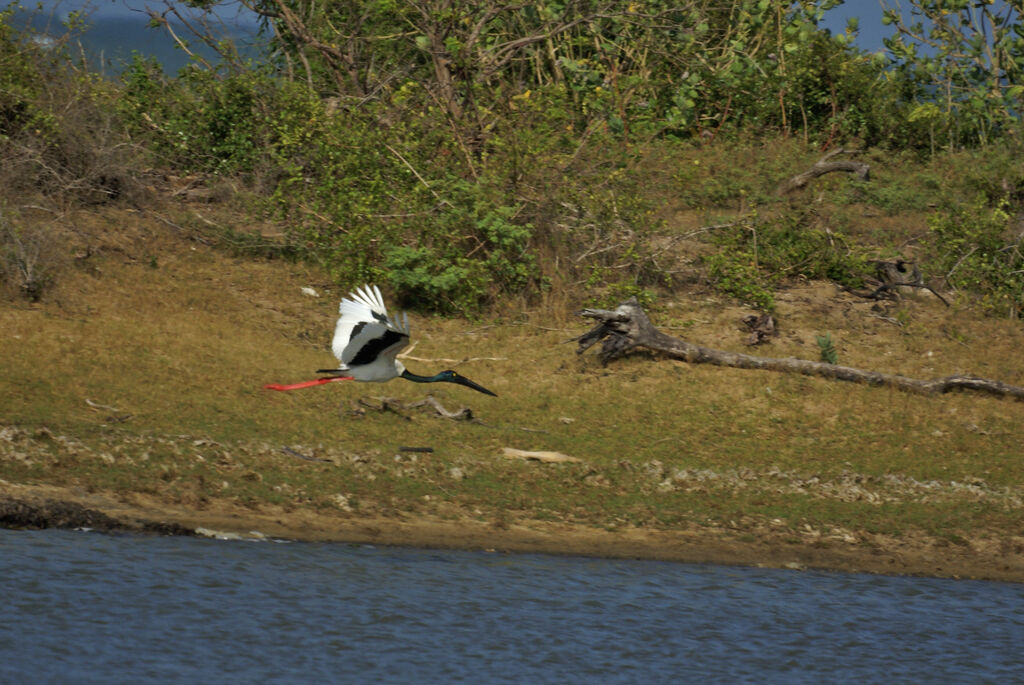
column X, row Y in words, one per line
column 984, row 557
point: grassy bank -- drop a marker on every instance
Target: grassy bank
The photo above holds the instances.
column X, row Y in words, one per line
column 140, row 376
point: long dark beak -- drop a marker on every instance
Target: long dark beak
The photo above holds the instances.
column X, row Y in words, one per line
column 462, row 380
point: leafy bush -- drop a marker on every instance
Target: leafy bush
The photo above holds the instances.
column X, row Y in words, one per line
column 736, row 274
column 472, row 251
column 245, row 122
column 978, row 251
column 756, row 256
column 25, row 68
column 797, row 245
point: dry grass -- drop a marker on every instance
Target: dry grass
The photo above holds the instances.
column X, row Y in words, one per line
column 142, row 372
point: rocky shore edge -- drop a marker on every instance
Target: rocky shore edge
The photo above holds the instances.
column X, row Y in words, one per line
column 983, row 558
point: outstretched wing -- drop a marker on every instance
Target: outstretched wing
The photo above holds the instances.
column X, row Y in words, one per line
column 365, row 332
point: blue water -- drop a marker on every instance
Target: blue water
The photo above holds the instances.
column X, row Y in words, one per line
column 80, row 607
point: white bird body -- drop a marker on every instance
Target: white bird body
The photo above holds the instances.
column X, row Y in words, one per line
column 367, row 340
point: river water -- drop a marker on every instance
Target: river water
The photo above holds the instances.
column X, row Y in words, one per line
column 79, row 607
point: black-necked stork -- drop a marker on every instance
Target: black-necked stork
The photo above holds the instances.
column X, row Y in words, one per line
column 367, row 342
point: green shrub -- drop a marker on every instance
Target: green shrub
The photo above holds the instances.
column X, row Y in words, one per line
column 25, row 69
column 828, row 349
column 797, row 244
column 976, row 249
column 469, row 254
column 243, row 122
column 756, row 256
column 736, row 274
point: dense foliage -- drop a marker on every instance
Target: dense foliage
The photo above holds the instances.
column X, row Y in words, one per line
column 463, row 152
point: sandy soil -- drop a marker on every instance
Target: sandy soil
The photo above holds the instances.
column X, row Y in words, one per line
column 985, row 557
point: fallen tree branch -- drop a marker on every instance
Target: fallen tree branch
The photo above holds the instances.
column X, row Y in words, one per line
column 464, row 414
column 824, row 166
column 889, row 290
column 626, row 327
column 891, row 277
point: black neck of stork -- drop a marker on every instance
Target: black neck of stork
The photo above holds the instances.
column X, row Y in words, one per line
column 416, row 378
column 446, row 377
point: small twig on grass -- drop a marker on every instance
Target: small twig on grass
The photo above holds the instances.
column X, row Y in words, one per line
column 387, row 404
column 191, row 234
column 464, row 414
column 289, row 450
column 888, row 319
column 112, row 418
column 454, row 361
column 98, row 407
column 713, row 227
column 406, row 355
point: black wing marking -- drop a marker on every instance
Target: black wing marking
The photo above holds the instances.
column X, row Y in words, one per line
column 373, row 347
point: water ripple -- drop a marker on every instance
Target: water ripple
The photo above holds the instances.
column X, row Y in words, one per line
column 89, row 608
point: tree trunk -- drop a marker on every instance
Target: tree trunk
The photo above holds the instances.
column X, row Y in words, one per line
column 627, row 327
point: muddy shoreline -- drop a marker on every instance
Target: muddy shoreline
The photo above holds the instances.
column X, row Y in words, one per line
column 983, row 558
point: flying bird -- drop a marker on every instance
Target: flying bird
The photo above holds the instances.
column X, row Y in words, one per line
column 367, row 342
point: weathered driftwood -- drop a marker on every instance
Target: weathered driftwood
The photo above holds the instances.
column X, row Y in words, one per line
column 824, row 166
column 892, row 276
column 627, row 327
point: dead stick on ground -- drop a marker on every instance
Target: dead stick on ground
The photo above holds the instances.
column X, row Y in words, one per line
column 824, row 166
column 464, row 414
column 627, row 327
column 300, row 455
column 97, row 406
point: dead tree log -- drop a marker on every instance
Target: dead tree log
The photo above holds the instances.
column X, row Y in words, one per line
column 892, row 276
column 627, row 327
column 824, row 166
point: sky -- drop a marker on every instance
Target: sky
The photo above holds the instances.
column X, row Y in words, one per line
column 871, row 32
